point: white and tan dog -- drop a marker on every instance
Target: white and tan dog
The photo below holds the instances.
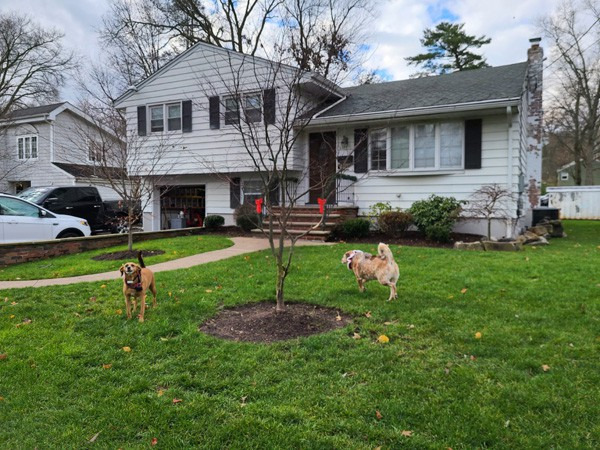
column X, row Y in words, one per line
column 367, row 267
column 137, row 280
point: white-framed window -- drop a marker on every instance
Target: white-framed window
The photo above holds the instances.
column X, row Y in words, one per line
column 251, row 190
column 252, row 107
column 94, row 151
column 27, row 147
column 174, row 116
column 417, row 147
column 157, row 118
column 165, row 117
column 564, row 176
column 232, row 110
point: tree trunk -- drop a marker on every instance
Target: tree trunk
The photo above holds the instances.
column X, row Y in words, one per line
column 279, row 289
column 129, row 229
column 489, row 228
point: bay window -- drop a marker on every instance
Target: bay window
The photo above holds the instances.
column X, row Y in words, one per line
column 418, row 147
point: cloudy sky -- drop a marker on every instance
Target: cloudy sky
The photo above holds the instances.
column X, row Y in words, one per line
column 397, row 28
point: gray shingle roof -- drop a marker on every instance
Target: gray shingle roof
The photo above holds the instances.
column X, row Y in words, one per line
column 34, row 111
column 489, row 83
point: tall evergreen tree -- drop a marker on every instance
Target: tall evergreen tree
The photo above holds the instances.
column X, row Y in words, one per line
column 448, row 49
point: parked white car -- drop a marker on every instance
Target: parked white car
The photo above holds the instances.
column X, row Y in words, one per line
column 23, row 221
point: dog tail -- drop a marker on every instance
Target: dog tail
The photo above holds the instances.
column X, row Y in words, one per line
column 141, row 260
column 385, row 252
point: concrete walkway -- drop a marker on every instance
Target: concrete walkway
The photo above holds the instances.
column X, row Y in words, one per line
column 240, row 246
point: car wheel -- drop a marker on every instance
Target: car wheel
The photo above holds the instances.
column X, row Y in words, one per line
column 69, row 234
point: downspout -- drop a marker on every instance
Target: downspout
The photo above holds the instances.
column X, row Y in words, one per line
column 509, row 171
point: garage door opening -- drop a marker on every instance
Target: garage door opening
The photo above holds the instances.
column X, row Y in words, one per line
column 182, row 206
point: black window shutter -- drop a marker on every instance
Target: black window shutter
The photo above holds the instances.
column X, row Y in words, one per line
column 269, row 105
column 361, row 151
column 473, row 144
column 141, row 119
column 234, row 193
column 214, row 113
column 186, row 116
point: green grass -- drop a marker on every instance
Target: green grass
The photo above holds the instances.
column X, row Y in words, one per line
column 83, row 264
column 536, row 307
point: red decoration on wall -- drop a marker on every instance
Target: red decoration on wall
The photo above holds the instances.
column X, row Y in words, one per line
column 322, row 202
column 259, row 202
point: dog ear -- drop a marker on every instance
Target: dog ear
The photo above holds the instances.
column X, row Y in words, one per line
column 122, row 269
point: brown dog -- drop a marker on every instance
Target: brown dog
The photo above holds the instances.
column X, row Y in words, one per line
column 137, row 279
column 367, row 267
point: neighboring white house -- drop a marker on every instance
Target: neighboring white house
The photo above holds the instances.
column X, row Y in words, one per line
column 401, row 141
column 49, row 146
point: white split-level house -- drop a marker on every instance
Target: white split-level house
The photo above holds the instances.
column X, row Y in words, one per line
column 399, row 141
column 49, row 145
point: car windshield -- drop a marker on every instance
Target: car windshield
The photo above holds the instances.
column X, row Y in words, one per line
column 34, row 195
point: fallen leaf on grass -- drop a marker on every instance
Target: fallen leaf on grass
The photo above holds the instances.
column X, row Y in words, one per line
column 153, row 442
column 94, row 437
column 383, row 339
column 1, row 399
column 478, row 335
column 119, row 312
column 126, row 349
column 348, row 374
column 450, row 297
column 356, row 336
column 3, row 356
column 390, row 322
column 368, row 314
column 243, row 401
column 92, row 299
column 407, row 433
column 5, row 299
column 13, row 303
column 463, row 290
column 208, row 291
column 473, row 358
column 106, row 366
column 12, row 316
column 338, row 317
column 378, row 415
column 410, row 327
column 103, row 286
column 545, row 367
column 177, row 400
column 160, row 392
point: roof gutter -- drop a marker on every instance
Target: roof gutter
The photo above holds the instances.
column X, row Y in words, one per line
column 408, row 112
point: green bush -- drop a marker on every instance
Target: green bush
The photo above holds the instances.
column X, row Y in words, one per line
column 376, row 210
column 355, row 228
column 394, row 223
column 246, row 217
column 213, row 222
column 436, row 216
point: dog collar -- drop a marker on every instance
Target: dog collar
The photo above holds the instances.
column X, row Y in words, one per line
column 133, row 284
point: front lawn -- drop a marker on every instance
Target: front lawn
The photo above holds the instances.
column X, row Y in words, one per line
column 83, row 264
column 530, row 379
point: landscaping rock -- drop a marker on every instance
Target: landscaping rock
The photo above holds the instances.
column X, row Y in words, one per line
column 556, row 227
column 528, row 237
column 540, row 241
column 460, row 245
column 512, row 246
column 541, row 230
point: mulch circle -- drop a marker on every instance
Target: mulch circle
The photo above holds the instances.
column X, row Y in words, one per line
column 258, row 322
column 126, row 254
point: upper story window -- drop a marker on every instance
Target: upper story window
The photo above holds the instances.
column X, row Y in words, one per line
column 252, row 107
column 94, row 151
column 422, row 146
column 232, row 111
column 166, row 117
column 27, row 147
column 564, row 176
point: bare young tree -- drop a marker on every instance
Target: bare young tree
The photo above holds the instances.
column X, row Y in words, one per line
column 268, row 132
column 574, row 113
column 491, row 202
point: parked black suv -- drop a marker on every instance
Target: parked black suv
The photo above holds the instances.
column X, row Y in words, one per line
column 78, row 201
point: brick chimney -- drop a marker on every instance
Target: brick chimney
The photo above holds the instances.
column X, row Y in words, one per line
column 534, row 85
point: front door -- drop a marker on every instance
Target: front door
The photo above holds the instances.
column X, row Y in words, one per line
column 322, row 166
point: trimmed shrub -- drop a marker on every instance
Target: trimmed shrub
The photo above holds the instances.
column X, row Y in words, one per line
column 436, row 216
column 376, row 210
column 355, row 228
column 213, row 222
column 394, row 223
column 246, row 217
